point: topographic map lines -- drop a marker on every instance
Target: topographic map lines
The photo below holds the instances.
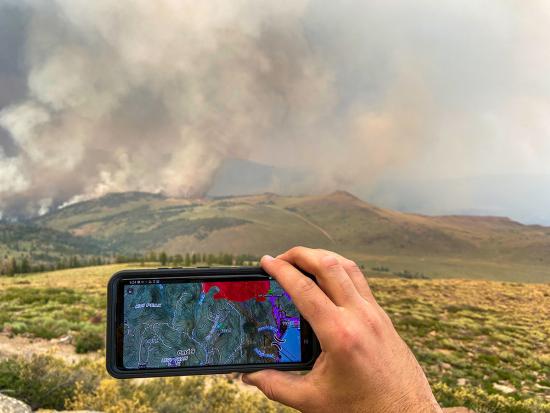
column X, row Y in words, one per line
column 179, row 324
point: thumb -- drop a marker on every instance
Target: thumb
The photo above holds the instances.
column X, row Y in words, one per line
column 283, row 387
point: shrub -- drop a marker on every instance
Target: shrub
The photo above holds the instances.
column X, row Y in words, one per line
column 88, row 340
column 482, row 402
column 44, row 381
column 27, row 296
column 111, row 396
column 173, row 395
column 44, row 312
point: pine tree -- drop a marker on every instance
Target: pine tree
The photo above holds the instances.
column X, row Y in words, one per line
column 25, row 265
column 14, row 268
column 187, row 261
column 239, row 260
column 210, row 259
column 163, row 258
column 10, row 268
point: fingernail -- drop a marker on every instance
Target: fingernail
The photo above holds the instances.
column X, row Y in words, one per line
column 267, row 258
column 245, row 379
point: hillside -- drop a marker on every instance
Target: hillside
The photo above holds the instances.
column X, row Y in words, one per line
column 42, row 244
column 443, row 246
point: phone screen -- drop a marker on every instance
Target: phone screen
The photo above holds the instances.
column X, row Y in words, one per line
column 174, row 323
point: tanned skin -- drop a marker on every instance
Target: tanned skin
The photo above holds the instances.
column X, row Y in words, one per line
column 364, row 365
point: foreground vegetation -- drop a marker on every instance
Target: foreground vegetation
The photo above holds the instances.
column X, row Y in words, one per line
column 483, row 344
column 47, row 382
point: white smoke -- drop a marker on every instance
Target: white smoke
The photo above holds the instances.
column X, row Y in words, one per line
column 154, row 95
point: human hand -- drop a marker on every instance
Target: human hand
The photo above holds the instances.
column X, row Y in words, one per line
column 364, row 365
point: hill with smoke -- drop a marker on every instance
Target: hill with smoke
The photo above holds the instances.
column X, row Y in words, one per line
column 109, row 96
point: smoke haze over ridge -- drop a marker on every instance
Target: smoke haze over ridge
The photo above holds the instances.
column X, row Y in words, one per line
column 136, row 95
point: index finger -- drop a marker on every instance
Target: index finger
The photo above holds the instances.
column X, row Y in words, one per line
column 356, row 275
column 329, row 271
column 311, row 302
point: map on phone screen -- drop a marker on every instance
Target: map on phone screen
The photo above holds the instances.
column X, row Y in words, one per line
column 183, row 324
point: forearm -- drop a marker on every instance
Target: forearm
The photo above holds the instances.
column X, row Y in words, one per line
column 408, row 402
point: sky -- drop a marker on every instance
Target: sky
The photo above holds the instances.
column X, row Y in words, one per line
column 418, row 105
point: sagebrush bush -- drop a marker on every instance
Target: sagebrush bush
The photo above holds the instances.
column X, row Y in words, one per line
column 43, row 381
column 110, row 396
column 88, row 340
column 46, row 312
column 174, row 395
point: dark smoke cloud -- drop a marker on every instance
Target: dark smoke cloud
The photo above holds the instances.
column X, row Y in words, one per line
column 154, row 96
column 13, row 85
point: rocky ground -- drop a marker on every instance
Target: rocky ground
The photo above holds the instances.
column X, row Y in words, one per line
column 11, row 405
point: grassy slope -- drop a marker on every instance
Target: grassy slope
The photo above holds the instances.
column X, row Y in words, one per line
column 467, row 334
column 44, row 244
column 453, row 246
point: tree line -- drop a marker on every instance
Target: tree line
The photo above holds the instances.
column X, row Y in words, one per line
column 189, row 259
column 23, row 265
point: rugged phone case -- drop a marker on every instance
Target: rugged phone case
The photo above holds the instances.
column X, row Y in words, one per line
column 198, row 274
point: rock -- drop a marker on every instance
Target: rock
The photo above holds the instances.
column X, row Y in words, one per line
column 96, row 319
column 66, row 339
column 11, row 405
column 461, row 381
column 504, row 388
column 67, row 411
column 445, row 366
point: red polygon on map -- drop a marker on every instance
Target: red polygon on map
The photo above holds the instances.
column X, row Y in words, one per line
column 238, row 290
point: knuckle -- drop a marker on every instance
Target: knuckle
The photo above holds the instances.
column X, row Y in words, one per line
column 347, row 288
column 297, row 250
column 320, row 252
column 330, row 261
column 349, row 339
column 373, row 319
column 326, row 251
column 306, row 285
column 376, row 323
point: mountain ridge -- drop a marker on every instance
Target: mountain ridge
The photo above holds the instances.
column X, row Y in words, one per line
column 255, row 224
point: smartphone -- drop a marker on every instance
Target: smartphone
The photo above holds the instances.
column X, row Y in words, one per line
column 189, row 321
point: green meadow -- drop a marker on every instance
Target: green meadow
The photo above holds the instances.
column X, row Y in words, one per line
column 483, row 344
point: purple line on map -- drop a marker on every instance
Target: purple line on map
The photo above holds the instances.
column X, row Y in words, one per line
column 281, row 318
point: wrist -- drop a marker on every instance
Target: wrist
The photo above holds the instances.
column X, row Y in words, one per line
column 411, row 403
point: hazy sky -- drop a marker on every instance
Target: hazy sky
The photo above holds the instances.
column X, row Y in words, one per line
column 138, row 95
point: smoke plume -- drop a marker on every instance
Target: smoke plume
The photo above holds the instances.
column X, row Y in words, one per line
column 154, row 96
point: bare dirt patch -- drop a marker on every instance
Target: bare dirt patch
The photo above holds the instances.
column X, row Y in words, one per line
column 26, row 347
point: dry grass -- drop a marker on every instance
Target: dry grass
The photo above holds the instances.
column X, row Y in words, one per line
column 468, row 335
